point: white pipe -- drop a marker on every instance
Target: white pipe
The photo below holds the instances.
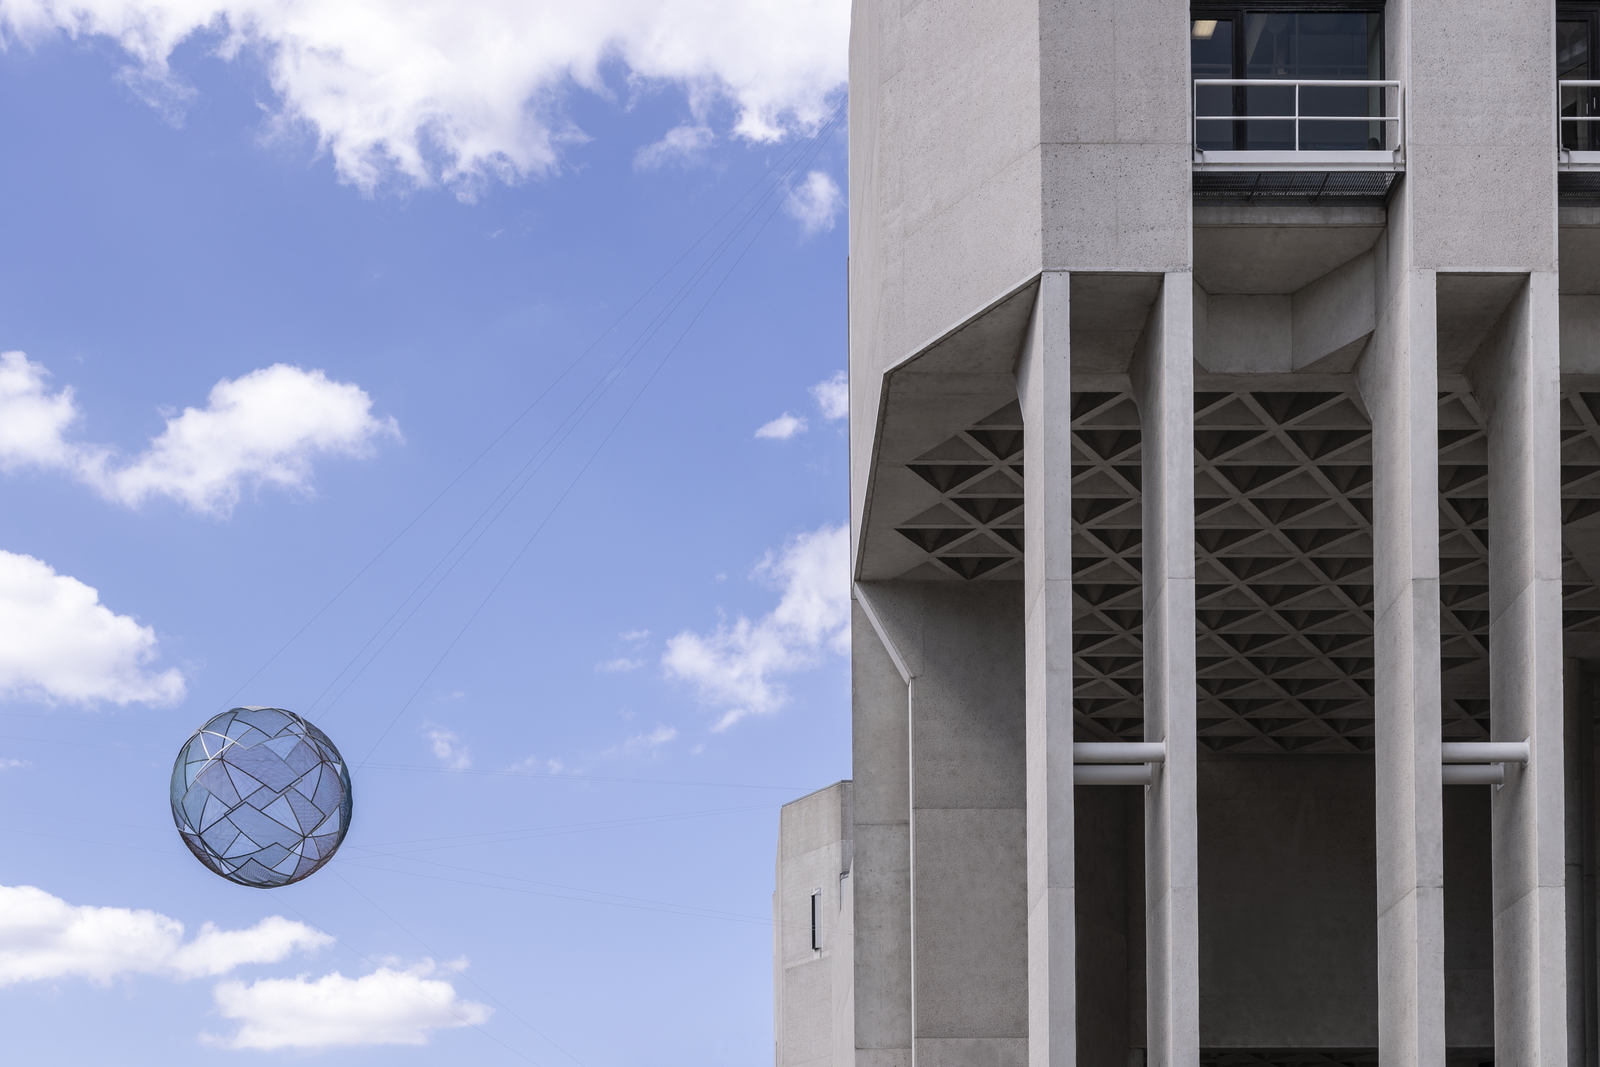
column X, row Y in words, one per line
column 1111, row 774
column 1484, row 752
column 1119, row 752
column 1473, row 774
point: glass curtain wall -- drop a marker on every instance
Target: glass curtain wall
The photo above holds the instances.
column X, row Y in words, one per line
column 1288, row 45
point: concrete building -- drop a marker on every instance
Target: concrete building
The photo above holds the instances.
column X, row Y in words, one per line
column 1225, row 514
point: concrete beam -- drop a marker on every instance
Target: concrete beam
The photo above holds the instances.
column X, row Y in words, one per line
column 1163, row 379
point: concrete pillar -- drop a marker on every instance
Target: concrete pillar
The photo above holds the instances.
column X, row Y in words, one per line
column 1398, row 379
column 961, row 648
column 880, row 875
column 1517, row 378
column 1163, row 380
column 1044, row 388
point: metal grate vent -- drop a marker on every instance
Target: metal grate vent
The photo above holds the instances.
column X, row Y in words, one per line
column 1328, row 187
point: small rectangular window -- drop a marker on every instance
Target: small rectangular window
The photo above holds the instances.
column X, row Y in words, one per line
column 816, row 920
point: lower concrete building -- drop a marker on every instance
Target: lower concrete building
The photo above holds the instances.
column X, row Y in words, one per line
column 813, row 1012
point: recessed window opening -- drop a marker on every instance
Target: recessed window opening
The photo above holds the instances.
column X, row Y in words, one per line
column 1577, row 42
column 1289, row 43
column 816, row 920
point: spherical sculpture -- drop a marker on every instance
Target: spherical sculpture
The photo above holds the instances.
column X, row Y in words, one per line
column 261, row 796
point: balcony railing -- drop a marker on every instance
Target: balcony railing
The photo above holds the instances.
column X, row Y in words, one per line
column 1261, row 124
column 1577, row 112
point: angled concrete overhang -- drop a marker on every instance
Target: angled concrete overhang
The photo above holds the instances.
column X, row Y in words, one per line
column 946, row 447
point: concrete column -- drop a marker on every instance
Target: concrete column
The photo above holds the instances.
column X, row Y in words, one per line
column 1517, row 378
column 1163, row 380
column 1398, row 379
column 1044, row 387
column 880, row 875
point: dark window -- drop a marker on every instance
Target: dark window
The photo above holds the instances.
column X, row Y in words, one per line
column 1289, row 43
column 1577, row 29
column 816, row 920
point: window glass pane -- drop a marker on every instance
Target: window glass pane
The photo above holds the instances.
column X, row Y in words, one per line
column 1572, row 62
column 1211, row 56
column 1326, row 46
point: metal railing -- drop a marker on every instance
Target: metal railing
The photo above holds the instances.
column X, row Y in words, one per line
column 1578, row 144
column 1388, row 154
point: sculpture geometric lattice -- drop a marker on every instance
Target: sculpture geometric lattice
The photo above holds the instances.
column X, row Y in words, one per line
column 261, row 796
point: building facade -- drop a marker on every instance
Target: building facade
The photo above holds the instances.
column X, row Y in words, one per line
column 1225, row 515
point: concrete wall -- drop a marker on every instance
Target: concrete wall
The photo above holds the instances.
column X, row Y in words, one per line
column 992, row 140
column 945, row 187
column 880, row 883
column 960, row 649
column 814, row 848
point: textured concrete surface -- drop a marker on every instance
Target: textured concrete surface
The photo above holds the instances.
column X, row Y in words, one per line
column 1163, row 380
column 1517, row 378
column 1023, row 229
column 1044, row 388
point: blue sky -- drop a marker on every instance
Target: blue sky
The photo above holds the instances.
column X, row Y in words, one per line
column 281, row 282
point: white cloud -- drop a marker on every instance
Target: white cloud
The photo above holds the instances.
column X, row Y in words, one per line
column 386, row 1007
column 59, row 643
column 634, row 635
column 782, row 428
column 619, row 665
column 6, row 763
column 436, row 91
column 815, row 202
column 43, row 938
column 682, row 144
column 734, row 667
column 833, row 395
column 448, row 748
column 645, row 742
column 32, row 420
column 265, row 427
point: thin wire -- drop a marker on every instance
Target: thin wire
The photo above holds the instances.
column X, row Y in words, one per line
column 560, row 829
column 798, row 148
column 86, row 841
column 684, row 908
column 667, row 909
column 620, row 367
column 86, row 718
column 457, row 972
column 577, row 777
column 509, row 837
column 447, row 770
column 572, row 484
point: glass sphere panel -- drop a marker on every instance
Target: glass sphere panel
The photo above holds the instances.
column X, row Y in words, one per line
column 261, row 796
